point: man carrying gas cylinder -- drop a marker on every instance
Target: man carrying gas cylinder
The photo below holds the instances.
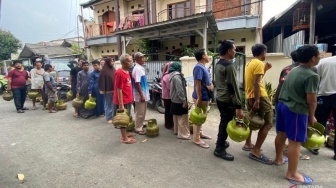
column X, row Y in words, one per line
column 228, row 96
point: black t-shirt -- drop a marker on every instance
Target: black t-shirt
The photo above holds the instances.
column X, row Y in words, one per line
column 74, row 72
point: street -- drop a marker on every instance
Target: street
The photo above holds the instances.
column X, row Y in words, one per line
column 58, row 150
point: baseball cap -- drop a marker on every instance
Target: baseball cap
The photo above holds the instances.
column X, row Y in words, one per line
column 138, row 54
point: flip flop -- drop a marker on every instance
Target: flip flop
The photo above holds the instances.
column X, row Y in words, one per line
column 53, row 111
column 129, row 141
column 304, row 157
column 263, row 159
column 285, row 162
column 109, row 121
column 307, row 181
column 204, row 136
column 203, row 145
column 75, row 115
column 247, row 149
column 34, row 108
column 140, row 132
column 181, row 138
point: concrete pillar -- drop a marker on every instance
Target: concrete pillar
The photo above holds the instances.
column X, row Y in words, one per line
column 192, row 7
column 117, row 14
column 154, row 16
column 146, row 11
column 312, row 21
column 205, row 36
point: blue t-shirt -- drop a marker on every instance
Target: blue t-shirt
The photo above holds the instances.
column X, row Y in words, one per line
column 201, row 73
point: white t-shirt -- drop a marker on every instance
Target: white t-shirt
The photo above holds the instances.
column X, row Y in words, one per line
column 139, row 75
column 326, row 69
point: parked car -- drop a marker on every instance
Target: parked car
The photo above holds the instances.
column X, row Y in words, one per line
column 62, row 68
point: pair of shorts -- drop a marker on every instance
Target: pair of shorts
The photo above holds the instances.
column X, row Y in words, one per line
column 52, row 97
column 265, row 108
column 293, row 124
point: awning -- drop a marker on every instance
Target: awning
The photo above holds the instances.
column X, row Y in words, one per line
column 180, row 27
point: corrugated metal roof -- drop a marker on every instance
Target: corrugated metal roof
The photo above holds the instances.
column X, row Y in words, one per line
column 30, row 50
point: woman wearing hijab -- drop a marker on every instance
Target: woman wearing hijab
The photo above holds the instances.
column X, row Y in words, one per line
column 179, row 102
column 106, row 87
column 169, row 123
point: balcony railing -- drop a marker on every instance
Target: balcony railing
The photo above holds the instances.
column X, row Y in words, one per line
column 132, row 21
column 96, row 30
column 172, row 13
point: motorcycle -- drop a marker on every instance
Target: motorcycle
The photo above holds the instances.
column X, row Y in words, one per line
column 62, row 90
column 3, row 83
column 155, row 93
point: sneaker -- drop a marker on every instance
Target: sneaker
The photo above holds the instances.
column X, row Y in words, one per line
column 20, row 111
column 227, row 144
column 223, row 154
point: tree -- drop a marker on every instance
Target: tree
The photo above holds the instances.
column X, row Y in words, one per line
column 8, row 44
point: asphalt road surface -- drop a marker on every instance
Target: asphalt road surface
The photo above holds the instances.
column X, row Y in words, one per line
column 58, row 150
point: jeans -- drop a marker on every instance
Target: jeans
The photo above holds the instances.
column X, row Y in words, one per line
column 19, row 95
column 108, row 106
column 227, row 112
column 325, row 105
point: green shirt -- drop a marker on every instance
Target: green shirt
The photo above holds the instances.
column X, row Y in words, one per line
column 299, row 82
column 227, row 89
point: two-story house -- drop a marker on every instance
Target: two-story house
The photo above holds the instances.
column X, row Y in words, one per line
column 170, row 25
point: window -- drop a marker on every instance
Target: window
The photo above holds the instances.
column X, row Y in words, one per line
column 179, row 10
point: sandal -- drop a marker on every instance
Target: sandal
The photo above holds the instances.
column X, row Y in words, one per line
column 247, row 149
column 204, row 136
column 304, row 157
column 140, row 132
column 306, row 181
column 128, row 141
column 75, row 115
column 263, row 159
column 284, row 162
column 203, row 145
column 34, row 108
column 109, row 121
column 53, row 111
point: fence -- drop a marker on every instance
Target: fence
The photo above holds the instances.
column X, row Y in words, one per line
column 154, row 69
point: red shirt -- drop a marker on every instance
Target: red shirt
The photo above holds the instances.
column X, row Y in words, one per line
column 122, row 80
column 18, row 78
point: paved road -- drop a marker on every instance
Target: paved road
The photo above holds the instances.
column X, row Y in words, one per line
column 57, row 150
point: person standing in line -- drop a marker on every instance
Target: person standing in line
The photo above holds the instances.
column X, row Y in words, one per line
column 83, row 80
column 102, row 63
column 326, row 104
column 140, row 92
column 36, row 75
column 228, row 96
column 17, row 84
column 179, row 102
column 73, row 80
column 258, row 101
column 50, row 87
column 295, row 111
column 123, row 96
column 201, row 95
column 94, row 90
column 106, row 87
column 73, row 76
column 169, row 123
column 285, row 71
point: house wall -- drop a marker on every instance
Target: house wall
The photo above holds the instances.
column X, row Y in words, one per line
column 278, row 61
column 136, row 4
column 250, row 36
